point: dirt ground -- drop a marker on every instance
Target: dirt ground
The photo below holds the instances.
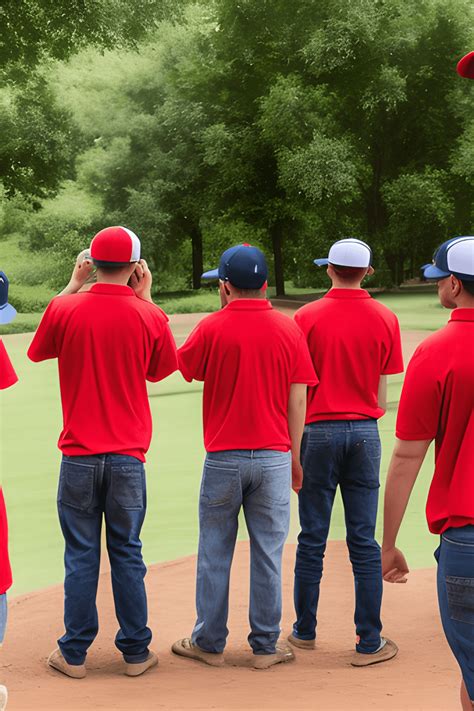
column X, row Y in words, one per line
column 423, row 676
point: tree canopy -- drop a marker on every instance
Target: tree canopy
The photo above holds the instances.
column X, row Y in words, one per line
column 286, row 124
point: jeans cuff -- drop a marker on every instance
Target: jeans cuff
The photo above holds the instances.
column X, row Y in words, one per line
column 136, row 658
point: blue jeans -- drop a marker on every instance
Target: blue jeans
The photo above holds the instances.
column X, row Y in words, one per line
column 3, row 616
column 344, row 453
column 455, row 557
column 90, row 488
column 260, row 482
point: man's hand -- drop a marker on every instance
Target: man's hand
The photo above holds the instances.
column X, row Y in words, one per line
column 296, row 475
column 83, row 269
column 394, row 566
column 141, row 281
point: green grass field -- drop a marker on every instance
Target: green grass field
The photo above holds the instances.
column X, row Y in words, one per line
column 30, row 423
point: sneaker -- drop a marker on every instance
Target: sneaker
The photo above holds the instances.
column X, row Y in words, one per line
column 57, row 661
column 186, row 648
column 301, row 643
column 386, row 651
column 283, row 653
column 141, row 667
column 3, row 697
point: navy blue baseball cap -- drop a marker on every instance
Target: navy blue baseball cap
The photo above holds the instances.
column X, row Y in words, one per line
column 456, row 256
column 243, row 266
column 7, row 312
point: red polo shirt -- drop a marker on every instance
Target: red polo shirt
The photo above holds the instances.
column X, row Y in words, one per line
column 353, row 340
column 437, row 402
column 7, row 373
column 5, row 570
column 248, row 355
column 108, row 342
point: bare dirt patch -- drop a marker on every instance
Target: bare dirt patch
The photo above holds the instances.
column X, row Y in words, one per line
column 424, row 676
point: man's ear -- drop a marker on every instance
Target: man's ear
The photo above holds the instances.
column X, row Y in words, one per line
column 456, row 286
column 370, row 271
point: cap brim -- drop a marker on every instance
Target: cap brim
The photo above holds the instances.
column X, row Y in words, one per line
column 213, row 274
column 321, row 262
column 7, row 314
column 432, row 272
column 425, row 266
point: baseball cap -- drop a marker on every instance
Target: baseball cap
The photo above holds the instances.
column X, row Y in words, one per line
column 117, row 245
column 455, row 256
column 243, row 266
column 465, row 66
column 7, row 312
column 349, row 252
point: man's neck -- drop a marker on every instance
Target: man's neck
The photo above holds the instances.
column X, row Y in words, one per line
column 465, row 301
column 337, row 284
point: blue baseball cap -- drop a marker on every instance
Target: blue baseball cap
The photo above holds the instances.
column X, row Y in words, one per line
column 7, row 312
column 349, row 252
column 243, row 266
column 455, row 256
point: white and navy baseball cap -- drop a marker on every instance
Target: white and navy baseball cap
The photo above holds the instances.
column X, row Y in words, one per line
column 7, row 312
column 349, row 252
column 115, row 246
column 243, row 266
column 456, row 256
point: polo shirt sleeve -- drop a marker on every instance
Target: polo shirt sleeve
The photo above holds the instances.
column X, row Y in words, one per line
column 420, row 402
column 44, row 343
column 303, row 368
column 191, row 356
column 8, row 376
column 163, row 360
column 394, row 357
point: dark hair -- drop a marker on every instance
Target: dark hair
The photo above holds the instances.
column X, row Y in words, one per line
column 468, row 286
column 111, row 265
column 350, row 273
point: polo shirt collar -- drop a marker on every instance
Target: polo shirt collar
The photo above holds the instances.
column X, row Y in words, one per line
column 462, row 315
column 112, row 289
column 347, row 294
column 249, row 305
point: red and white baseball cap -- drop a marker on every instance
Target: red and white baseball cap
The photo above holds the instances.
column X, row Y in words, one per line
column 116, row 245
column 465, row 66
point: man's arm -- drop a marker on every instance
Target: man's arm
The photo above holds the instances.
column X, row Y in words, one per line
column 407, row 458
column 296, row 419
column 382, row 394
column 83, row 268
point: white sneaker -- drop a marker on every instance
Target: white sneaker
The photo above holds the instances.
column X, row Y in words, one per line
column 3, row 698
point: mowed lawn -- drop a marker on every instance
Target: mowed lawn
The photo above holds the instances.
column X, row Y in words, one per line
column 30, row 421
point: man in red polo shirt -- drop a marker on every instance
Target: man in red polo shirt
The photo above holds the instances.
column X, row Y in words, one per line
column 8, row 377
column 109, row 341
column 255, row 366
column 354, row 342
column 437, row 402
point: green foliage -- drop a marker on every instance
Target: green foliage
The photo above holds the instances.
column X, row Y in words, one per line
column 288, row 125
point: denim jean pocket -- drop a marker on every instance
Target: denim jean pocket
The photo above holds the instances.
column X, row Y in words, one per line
column 76, row 484
column 460, row 598
column 219, row 483
column 276, row 483
column 128, row 484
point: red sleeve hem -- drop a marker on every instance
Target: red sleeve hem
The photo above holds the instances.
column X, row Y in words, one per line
column 411, row 436
column 393, row 371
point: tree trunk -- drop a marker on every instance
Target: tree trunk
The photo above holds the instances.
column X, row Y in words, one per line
column 196, row 241
column 276, row 234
